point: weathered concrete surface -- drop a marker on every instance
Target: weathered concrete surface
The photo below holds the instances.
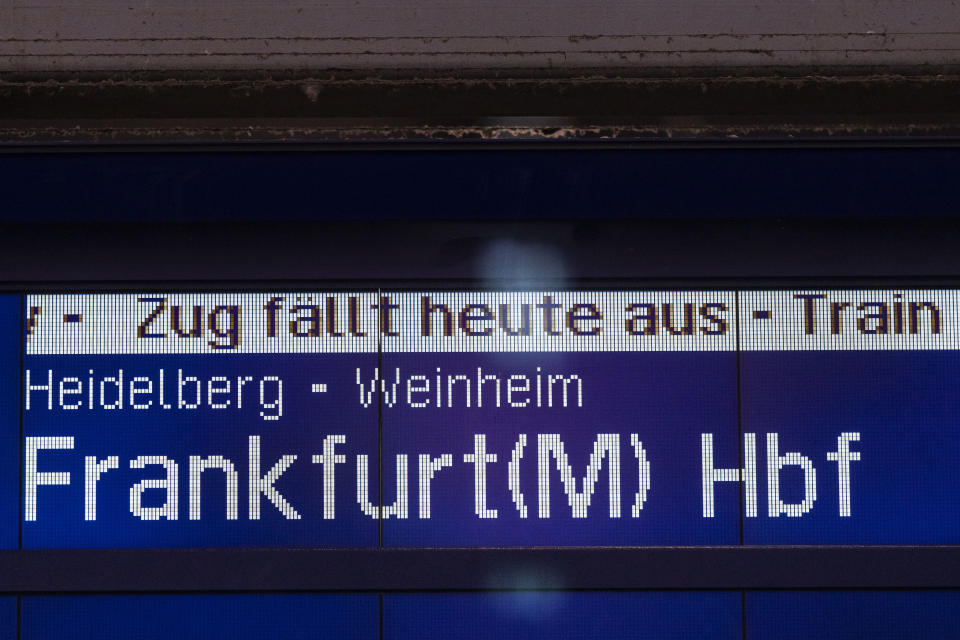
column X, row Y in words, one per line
column 48, row 35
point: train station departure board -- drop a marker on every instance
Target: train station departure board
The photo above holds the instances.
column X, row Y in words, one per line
column 378, row 418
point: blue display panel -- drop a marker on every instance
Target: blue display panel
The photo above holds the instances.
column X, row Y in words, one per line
column 200, row 421
column 879, row 615
column 8, row 618
column 853, row 408
column 10, row 345
column 489, row 419
column 189, row 617
column 557, row 614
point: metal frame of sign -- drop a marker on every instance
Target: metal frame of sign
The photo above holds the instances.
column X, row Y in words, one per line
column 758, row 253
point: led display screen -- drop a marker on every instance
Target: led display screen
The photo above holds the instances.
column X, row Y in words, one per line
column 885, row 615
column 481, row 418
column 8, row 617
column 530, row 614
column 557, row 614
column 243, row 616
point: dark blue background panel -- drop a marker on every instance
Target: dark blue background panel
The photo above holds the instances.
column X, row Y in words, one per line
column 904, row 406
column 666, row 399
column 287, row 509
column 10, row 345
column 200, row 617
column 8, row 618
column 878, row 615
column 485, row 184
column 533, row 615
